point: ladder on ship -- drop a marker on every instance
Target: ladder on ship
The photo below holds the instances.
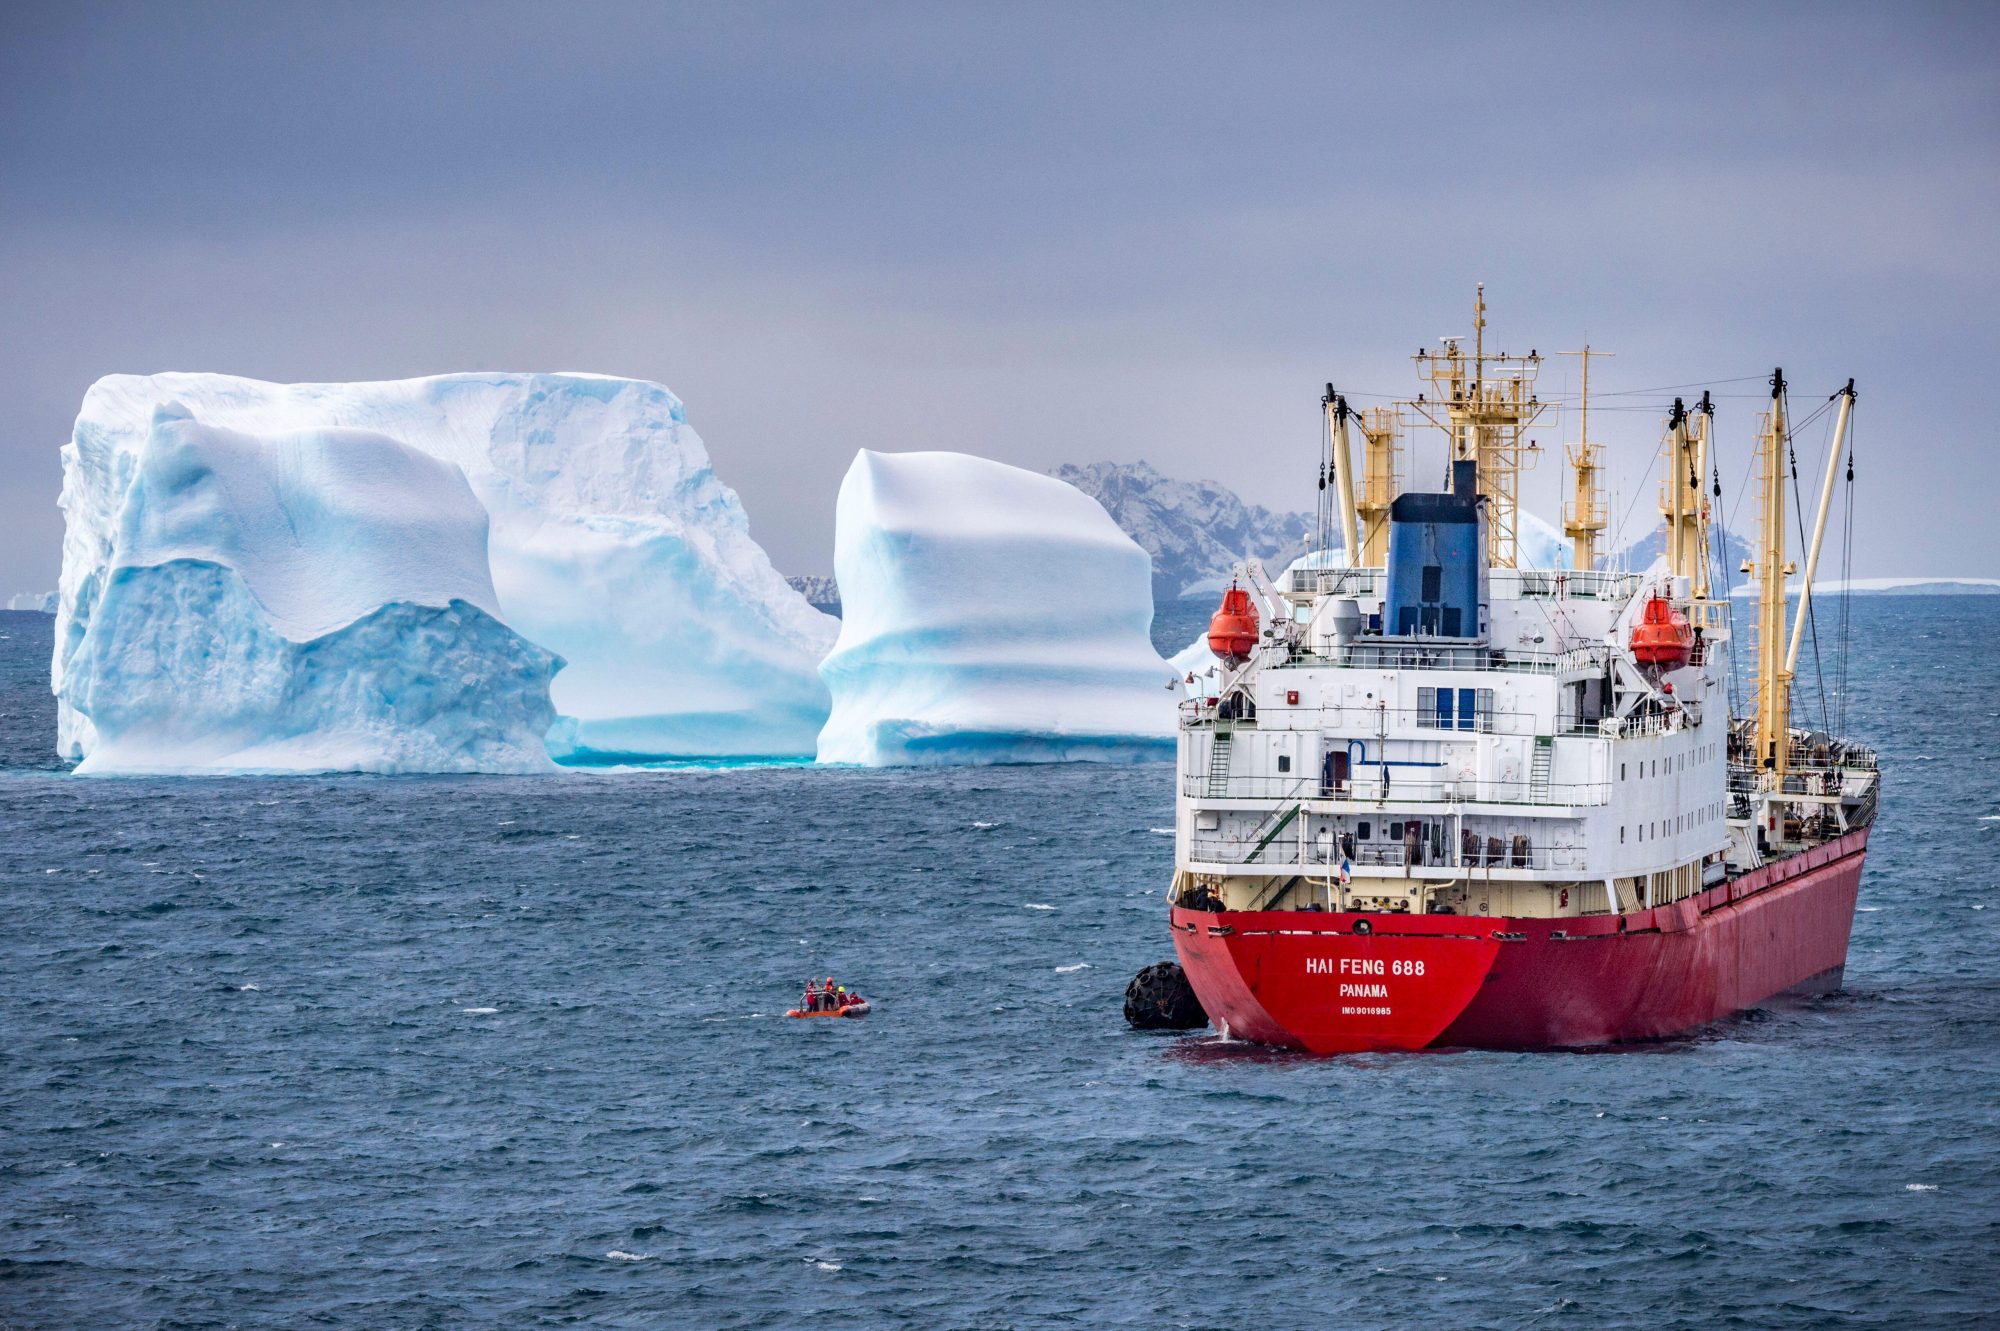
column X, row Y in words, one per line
column 1218, row 765
column 1538, row 769
column 1278, row 821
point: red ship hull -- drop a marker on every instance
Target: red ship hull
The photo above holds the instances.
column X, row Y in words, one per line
column 1343, row 982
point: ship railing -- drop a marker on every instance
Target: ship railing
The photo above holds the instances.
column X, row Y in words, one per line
column 1421, row 654
column 1366, row 786
column 1334, row 582
column 1639, row 727
column 1208, row 712
column 1344, row 723
column 1320, row 854
column 1533, row 584
column 1800, row 779
column 1587, row 659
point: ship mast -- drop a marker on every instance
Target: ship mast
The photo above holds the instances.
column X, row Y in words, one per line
column 1774, row 682
column 1483, row 403
column 1584, row 519
column 1343, row 472
column 1681, row 500
column 1702, row 577
column 1378, row 479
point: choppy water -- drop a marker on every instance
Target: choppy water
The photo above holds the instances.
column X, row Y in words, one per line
column 385, row 1053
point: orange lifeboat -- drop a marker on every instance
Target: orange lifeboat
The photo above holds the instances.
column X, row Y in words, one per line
column 1232, row 633
column 1662, row 637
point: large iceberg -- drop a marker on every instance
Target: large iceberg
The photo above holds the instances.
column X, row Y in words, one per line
column 310, row 601
column 611, row 544
column 989, row 614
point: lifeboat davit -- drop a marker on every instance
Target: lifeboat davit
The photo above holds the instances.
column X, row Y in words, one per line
column 1662, row 638
column 1232, row 633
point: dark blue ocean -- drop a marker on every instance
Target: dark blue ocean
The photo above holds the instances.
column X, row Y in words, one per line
column 493, row 1052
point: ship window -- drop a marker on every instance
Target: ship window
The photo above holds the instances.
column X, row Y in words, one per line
column 1284, row 762
column 1465, row 709
column 1621, row 771
column 1362, row 830
column 1433, row 583
column 1434, row 708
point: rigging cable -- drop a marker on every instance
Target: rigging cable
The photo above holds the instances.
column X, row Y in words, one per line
column 1805, row 593
column 1325, row 469
column 1846, row 572
column 1718, row 536
column 1739, row 660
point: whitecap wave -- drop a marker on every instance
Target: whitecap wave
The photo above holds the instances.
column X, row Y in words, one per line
column 479, row 1011
column 620, row 1255
column 1079, row 966
column 1161, row 831
column 1036, row 905
column 1920, row 1187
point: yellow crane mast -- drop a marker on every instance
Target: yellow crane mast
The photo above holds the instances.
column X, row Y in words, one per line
column 1774, row 682
column 1683, row 505
column 1483, row 402
column 1379, row 431
column 1585, row 518
column 1776, row 661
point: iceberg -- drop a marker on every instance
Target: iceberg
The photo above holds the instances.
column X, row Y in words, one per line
column 1539, row 544
column 989, row 614
column 40, row 603
column 308, row 601
column 610, row 543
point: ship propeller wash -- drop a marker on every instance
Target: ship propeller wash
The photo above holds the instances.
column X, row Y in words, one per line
column 1445, row 800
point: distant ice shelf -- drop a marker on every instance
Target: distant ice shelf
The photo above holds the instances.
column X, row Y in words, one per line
column 989, row 614
column 43, row 603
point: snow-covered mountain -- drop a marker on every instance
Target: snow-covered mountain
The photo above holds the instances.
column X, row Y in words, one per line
column 1194, row 530
column 820, row 590
column 1639, row 555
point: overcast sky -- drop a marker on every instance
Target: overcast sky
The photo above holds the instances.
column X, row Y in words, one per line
column 1038, row 233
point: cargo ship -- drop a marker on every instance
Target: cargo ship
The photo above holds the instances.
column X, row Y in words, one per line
column 1431, row 797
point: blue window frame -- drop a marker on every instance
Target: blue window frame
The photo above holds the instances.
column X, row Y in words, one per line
column 1467, row 709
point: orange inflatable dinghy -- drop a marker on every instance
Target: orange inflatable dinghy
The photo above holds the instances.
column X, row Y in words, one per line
column 858, row 1008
